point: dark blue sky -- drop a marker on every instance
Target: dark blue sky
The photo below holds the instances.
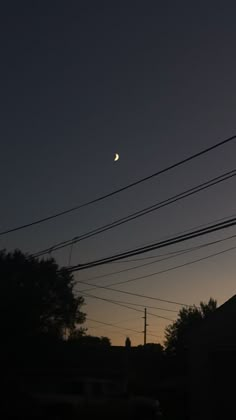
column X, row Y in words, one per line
column 154, row 82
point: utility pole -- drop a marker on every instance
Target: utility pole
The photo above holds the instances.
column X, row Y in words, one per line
column 145, row 326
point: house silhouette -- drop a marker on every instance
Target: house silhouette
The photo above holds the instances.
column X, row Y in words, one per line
column 212, row 365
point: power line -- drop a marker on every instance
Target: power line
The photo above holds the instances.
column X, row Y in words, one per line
column 134, row 294
column 110, row 301
column 117, row 332
column 127, row 320
column 175, row 267
column 168, row 256
column 125, row 306
column 174, row 240
column 129, row 329
column 129, row 303
column 113, row 325
column 102, row 276
column 149, row 297
column 154, row 274
column 126, row 187
column 174, row 253
column 133, row 216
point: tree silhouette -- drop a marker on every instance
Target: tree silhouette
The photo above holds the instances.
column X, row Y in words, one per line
column 89, row 340
column 188, row 319
column 36, row 298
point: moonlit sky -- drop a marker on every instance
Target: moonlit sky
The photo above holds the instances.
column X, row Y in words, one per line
column 153, row 81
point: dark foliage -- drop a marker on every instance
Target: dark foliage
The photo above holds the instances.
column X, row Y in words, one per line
column 89, row 340
column 188, row 319
column 37, row 298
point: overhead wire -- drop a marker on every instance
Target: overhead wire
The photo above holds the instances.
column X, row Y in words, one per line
column 127, row 320
column 133, row 216
column 113, row 325
column 125, row 306
column 151, row 333
column 122, row 328
column 174, row 253
column 119, row 190
column 170, row 268
column 159, row 259
column 151, row 275
column 161, row 244
column 135, row 294
column 130, row 303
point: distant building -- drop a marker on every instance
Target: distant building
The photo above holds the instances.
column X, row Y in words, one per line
column 128, row 342
column 212, row 358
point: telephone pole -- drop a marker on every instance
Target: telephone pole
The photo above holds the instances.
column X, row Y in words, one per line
column 145, row 326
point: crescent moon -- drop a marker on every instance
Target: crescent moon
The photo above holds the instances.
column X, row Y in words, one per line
column 116, row 157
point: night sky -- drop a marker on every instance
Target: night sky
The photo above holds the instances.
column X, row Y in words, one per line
column 153, row 81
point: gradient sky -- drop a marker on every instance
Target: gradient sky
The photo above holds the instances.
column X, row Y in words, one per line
column 153, row 81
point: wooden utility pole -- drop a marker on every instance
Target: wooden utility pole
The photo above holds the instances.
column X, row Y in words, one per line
column 145, row 326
